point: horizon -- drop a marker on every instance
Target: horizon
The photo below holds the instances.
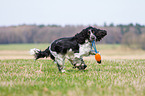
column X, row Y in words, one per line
column 114, row 25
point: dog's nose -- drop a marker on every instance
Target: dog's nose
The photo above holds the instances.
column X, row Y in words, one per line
column 92, row 37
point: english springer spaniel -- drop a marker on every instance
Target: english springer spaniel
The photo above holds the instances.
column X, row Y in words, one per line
column 72, row 48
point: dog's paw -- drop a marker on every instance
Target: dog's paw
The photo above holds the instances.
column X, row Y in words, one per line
column 92, row 52
column 63, row 71
column 82, row 67
column 74, row 67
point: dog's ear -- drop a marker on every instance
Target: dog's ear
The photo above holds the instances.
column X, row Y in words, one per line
column 100, row 34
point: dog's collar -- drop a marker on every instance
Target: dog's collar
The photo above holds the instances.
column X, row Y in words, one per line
column 94, row 46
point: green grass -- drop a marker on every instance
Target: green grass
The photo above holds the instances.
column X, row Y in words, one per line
column 44, row 46
column 22, row 46
column 111, row 78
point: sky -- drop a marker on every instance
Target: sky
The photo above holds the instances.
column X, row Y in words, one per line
column 71, row 12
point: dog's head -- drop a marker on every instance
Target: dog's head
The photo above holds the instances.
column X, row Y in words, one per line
column 97, row 34
column 92, row 33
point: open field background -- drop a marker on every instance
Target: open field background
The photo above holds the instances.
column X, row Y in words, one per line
column 122, row 73
column 108, row 51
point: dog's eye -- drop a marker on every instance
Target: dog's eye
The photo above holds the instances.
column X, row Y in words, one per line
column 93, row 31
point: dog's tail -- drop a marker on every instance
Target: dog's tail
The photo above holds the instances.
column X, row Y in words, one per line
column 39, row 54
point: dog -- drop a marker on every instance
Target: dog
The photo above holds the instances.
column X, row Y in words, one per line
column 72, row 48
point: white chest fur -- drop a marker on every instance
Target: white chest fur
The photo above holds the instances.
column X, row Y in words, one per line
column 84, row 49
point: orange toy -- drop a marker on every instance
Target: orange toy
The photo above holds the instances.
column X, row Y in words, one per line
column 98, row 57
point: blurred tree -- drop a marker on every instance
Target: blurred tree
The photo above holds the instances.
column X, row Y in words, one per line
column 105, row 24
column 131, row 25
column 130, row 35
column 138, row 29
column 111, row 25
column 41, row 26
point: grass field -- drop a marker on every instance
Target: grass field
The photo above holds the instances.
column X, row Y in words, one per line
column 114, row 77
column 109, row 52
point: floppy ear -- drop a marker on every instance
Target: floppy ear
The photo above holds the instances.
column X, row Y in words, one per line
column 100, row 34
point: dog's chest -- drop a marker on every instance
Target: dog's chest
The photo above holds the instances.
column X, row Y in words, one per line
column 85, row 49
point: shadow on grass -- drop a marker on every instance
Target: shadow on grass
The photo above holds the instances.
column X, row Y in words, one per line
column 76, row 70
column 73, row 70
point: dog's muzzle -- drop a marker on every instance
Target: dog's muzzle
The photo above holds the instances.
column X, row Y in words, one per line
column 92, row 37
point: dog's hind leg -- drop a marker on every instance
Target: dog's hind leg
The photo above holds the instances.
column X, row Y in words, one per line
column 60, row 60
column 72, row 62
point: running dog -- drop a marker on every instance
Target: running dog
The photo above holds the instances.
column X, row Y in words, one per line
column 72, row 48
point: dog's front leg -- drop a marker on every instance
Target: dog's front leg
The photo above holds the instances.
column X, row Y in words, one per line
column 83, row 65
column 78, row 63
column 92, row 52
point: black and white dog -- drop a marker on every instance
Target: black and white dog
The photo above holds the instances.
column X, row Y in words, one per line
column 72, row 48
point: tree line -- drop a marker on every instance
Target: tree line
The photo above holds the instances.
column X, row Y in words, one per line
column 130, row 34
